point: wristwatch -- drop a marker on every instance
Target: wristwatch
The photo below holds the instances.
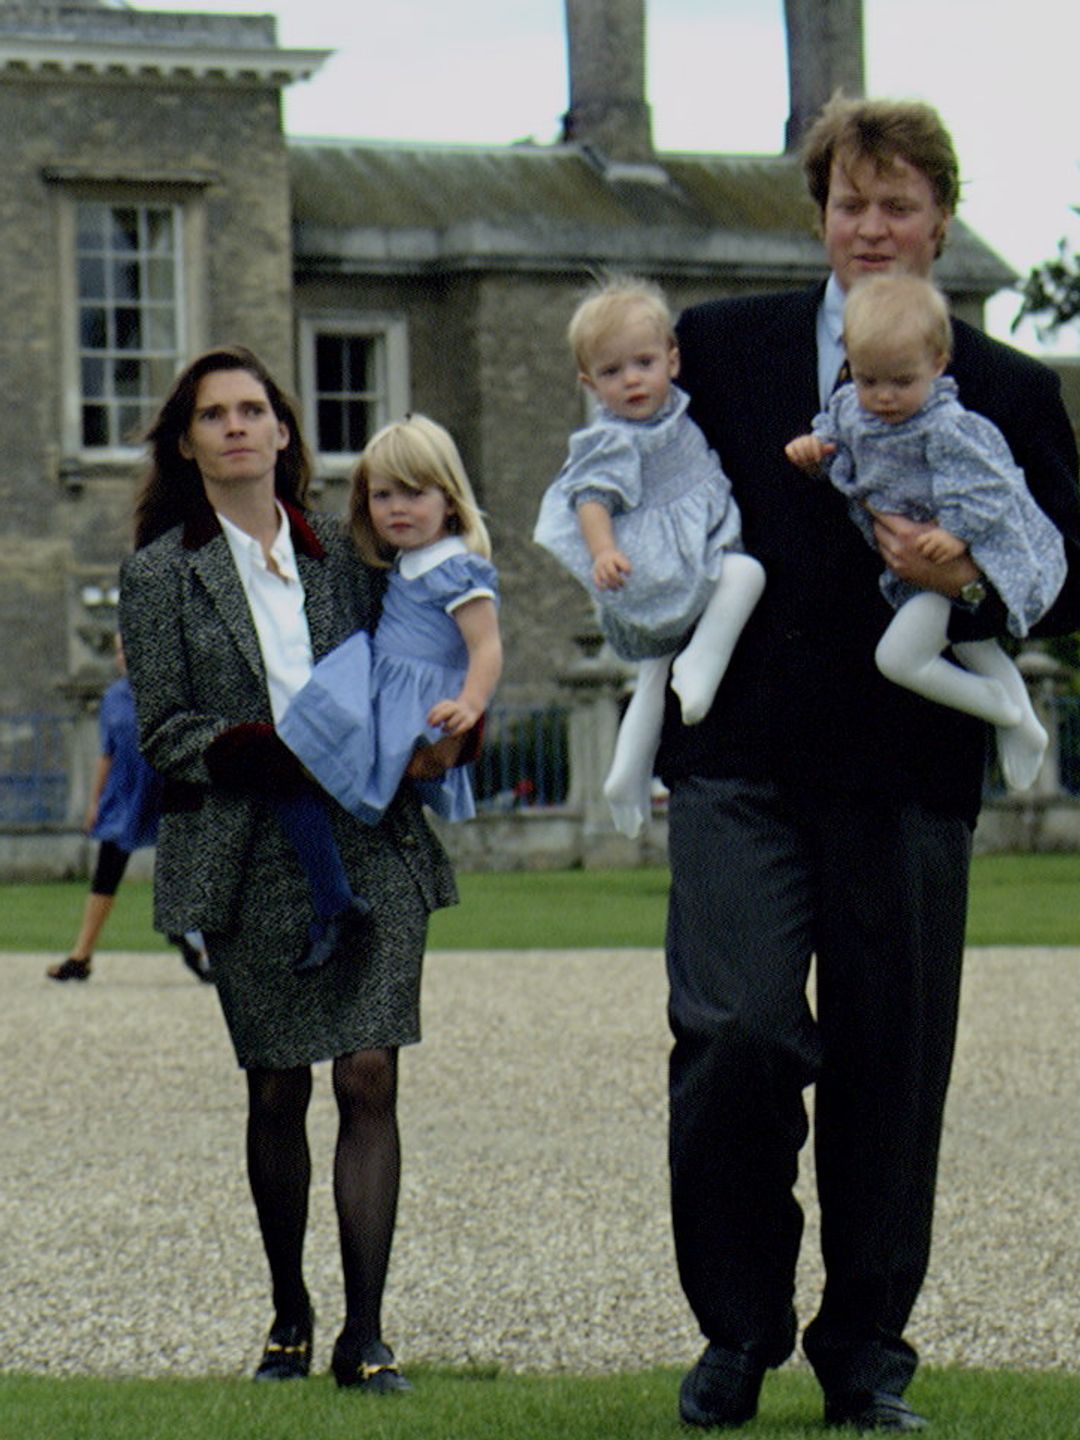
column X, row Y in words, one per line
column 974, row 592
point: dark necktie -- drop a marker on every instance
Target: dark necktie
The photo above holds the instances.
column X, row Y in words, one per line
column 843, row 375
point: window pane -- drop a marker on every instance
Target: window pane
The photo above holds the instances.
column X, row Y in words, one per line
column 329, row 421
column 329, row 364
column 125, row 375
column 128, row 329
column 90, row 226
column 160, row 328
column 93, row 378
column 160, row 280
column 93, row 329
column 359, row 416
column 359, row 364
column 131, row 424
column 95, row 426
column 125, row 280
column 124, row 231
column 159, row 232
column 91, row 275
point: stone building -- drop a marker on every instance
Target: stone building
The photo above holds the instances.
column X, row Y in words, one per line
column 151, row 204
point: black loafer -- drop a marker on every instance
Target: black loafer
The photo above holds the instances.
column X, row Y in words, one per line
column 69, row 969
column 287, row 1355
column 722, row 1389
column 872, row 1410
column 371, row 1367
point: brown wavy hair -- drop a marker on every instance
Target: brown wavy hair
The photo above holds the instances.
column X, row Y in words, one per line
column 171, row 490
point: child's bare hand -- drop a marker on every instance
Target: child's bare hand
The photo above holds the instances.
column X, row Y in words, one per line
column 808, row 451
column 610, row 569
column 939, row 546
column 453, row 717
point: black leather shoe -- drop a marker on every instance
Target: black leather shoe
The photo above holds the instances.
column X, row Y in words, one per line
column 721, row 1390
column 872, row 1410
column 287, row 1355
column 341, row 932
column 369, row 1367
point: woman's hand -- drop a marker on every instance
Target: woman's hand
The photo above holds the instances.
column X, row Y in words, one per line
column 899, row 540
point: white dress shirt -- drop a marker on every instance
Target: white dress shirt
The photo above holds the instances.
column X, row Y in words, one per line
column 276, row 602
column 830, row 343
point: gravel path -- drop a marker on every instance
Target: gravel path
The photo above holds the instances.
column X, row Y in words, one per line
column 533, row 1229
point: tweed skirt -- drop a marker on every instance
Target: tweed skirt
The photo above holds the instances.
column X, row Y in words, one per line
column 278, row 1019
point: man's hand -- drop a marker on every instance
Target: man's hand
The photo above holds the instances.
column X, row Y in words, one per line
column 899, row 539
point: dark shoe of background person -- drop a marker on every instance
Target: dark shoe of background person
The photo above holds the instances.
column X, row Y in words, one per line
column 69, row 969
column 287, row 1355
column 872, row 1410
column 721, row 1390
column 345, row 928
column 196, row 960
column 371, row 1367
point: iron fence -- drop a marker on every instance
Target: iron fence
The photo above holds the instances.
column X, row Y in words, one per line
column 523, row 762
column 34, row 779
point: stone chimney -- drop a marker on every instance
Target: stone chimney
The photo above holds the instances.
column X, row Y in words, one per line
column 825, row 54
column 606, row 54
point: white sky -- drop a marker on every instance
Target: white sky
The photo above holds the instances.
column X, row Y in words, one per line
column 1003, row 76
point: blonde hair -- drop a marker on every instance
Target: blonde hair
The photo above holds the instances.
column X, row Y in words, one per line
column 885, row 309
column 417, row 453
column 605, row 310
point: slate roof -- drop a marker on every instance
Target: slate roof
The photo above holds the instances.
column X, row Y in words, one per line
column 397, row 207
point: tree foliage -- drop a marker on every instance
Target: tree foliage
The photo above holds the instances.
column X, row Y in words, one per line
column 1051, row 292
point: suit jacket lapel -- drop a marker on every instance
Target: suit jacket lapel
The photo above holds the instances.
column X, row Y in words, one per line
column 213, row 563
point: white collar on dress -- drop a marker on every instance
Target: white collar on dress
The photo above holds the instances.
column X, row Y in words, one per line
column 414, row 563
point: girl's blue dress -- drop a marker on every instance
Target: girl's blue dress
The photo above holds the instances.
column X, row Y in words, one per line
column 362, row 714
column 130, row 805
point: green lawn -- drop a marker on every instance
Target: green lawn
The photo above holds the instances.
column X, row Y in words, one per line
column 1015, row 900
column 465, row 1405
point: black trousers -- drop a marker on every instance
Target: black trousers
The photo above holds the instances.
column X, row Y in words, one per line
column 762, row 880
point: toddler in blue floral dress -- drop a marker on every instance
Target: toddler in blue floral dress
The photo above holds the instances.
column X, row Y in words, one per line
column 896, row 440
column 430, row 668
column 642, row 515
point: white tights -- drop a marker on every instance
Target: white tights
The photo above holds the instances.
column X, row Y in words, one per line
column 695, row 677
column 988, row 686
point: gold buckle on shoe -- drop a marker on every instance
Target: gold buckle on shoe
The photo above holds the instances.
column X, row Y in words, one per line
column 368, row 1372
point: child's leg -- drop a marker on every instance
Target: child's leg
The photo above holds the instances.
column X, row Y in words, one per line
column 306, row 825
column 698, row 670
column 1020, row 747
column 627, row 787
column 909, row 654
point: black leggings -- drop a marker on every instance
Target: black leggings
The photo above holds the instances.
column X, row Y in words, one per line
column 109, row 869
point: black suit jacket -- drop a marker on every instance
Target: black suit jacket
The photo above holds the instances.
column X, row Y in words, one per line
column 803, row 701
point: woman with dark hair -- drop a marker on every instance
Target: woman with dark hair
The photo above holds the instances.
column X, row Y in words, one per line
column 233, row 592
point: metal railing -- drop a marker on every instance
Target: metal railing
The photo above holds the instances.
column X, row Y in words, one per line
column 34, row 768
column 524, row 760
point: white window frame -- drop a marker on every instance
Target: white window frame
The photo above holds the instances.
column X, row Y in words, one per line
column 391, row 401
column 190, row 239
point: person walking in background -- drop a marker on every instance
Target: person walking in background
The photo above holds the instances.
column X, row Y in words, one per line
column 122, row 814
column 641, row 514
column 233, row 591
column 820, row 811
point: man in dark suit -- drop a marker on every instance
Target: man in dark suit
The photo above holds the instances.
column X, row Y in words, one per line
column 820, row 811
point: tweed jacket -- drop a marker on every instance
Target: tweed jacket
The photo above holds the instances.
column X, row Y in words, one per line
column 196, row 670
column 802, row 702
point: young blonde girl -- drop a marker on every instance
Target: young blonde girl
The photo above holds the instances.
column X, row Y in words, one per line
column 896, row 440
column 642, row 515
column 431, row 667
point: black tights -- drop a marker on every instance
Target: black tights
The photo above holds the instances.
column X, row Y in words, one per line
column 367, row 1169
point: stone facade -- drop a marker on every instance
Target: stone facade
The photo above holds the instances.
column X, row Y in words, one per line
column 474, row 256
